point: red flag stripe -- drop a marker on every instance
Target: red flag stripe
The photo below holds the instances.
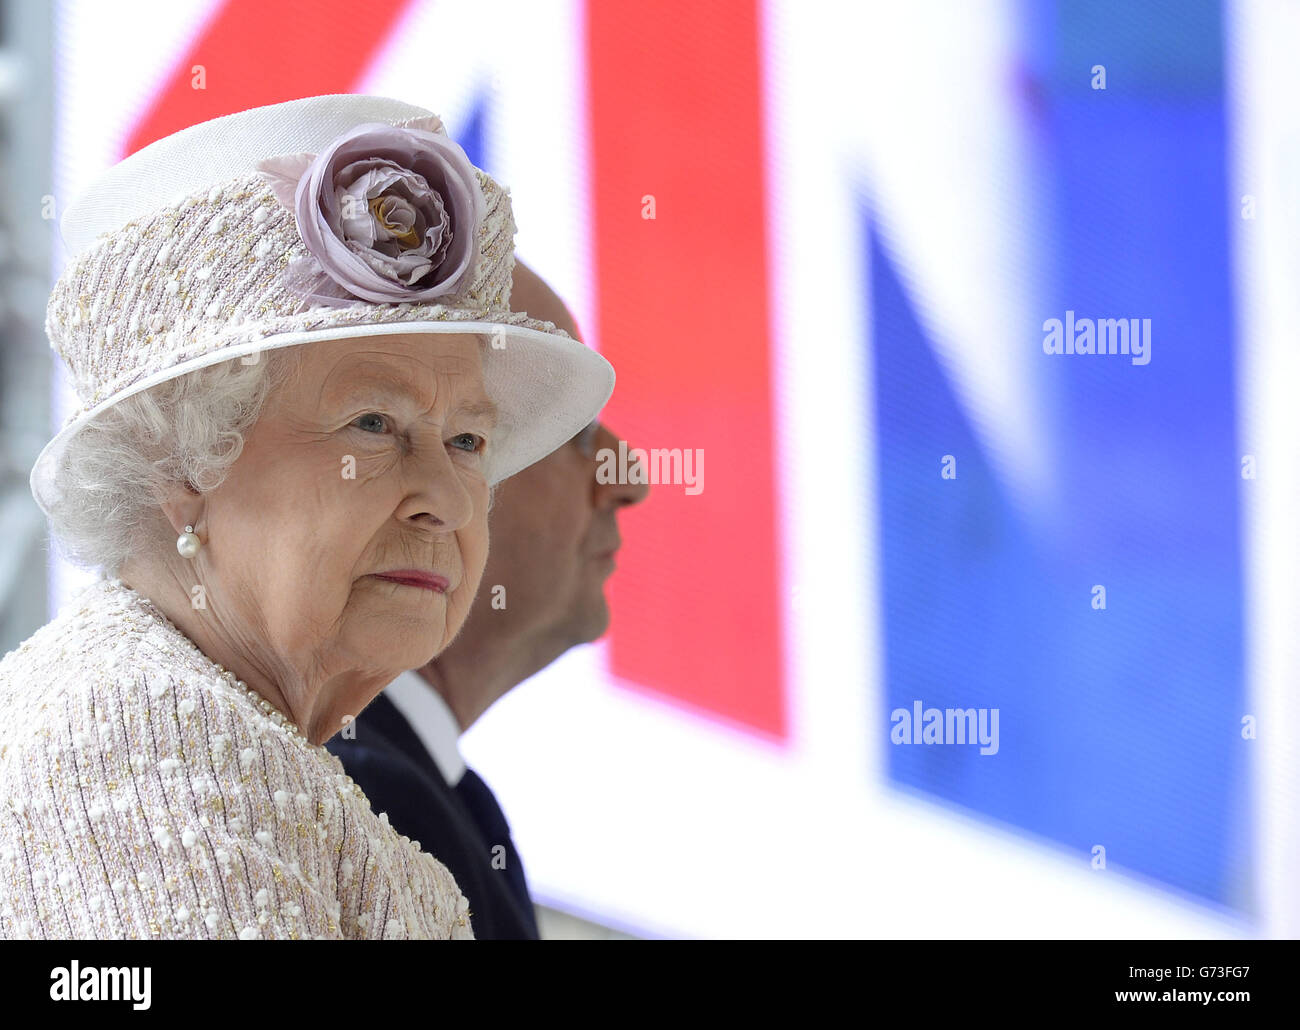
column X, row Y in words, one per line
column 675, row 100
column 253, row 53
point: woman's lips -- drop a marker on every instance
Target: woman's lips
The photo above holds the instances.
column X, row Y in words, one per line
column 416, row 578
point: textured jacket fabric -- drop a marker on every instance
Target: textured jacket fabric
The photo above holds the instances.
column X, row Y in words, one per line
column 146, row 793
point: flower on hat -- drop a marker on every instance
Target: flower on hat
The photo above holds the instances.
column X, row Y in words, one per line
column 387, row 213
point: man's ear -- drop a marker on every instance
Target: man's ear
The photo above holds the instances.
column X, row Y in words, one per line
column 182, row 505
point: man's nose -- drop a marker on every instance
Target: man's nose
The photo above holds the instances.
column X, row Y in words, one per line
column 616, row 494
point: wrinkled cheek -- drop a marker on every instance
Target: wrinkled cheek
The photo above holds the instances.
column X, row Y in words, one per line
column 458, row 610
column 474, row 553
column 246, row 538
column 366, row 468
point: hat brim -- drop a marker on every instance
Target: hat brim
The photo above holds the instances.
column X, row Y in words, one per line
column 546, row 387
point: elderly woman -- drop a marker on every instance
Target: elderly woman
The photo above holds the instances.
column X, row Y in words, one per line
column 301, row 381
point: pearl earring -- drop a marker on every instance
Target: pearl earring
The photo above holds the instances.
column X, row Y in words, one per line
column 188, row 543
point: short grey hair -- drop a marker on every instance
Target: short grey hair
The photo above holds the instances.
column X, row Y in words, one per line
column 188, row 429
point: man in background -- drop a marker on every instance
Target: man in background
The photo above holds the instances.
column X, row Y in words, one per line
column 554, row 535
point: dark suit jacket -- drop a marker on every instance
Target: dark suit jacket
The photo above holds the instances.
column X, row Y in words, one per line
column 390, row 763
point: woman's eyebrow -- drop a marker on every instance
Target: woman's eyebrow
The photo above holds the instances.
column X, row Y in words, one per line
column 368, row 382
column 394, row 385
column 486, row 409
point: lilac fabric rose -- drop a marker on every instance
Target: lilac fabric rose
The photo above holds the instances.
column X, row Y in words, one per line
column 388, row 214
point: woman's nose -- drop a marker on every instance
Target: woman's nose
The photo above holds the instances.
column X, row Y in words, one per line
column 437, row 493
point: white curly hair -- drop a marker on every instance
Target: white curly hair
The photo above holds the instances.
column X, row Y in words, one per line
column 190, row 428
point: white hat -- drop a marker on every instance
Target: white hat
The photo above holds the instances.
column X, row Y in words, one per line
column 317, row 219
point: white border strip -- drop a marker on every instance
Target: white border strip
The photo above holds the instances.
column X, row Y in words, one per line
column 1262, row 82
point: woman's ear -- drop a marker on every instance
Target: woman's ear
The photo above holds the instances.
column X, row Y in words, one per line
column 182, row 505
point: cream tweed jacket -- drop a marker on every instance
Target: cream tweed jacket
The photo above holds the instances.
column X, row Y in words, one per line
column 145, row 793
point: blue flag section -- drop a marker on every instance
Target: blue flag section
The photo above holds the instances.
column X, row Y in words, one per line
column 1109, row 641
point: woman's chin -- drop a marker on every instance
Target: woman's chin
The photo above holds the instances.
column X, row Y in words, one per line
column 398, row 640
column 410, row 650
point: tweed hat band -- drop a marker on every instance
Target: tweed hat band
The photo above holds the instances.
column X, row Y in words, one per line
column 207, row 275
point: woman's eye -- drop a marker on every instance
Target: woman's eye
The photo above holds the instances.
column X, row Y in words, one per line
column 371, row 422
column 467, row 442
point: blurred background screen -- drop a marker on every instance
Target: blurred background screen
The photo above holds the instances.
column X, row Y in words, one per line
column 844, row 252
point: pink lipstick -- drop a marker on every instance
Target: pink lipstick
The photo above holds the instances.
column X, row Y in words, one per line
column 415, row 578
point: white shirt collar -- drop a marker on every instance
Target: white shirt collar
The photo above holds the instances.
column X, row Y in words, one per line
column 432, row 719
